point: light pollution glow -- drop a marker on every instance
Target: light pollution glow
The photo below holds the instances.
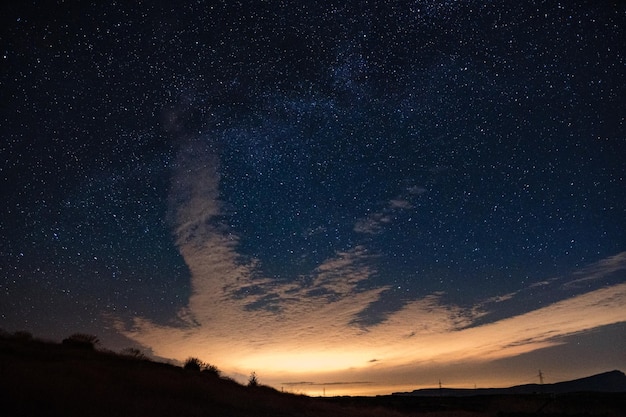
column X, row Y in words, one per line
column 308, row 336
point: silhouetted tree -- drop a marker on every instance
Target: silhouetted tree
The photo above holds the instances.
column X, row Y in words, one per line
column 253, row 381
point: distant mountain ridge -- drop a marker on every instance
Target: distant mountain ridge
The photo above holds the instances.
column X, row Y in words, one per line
column 612, row 381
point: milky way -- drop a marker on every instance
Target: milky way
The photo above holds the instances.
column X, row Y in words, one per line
column 361, row 191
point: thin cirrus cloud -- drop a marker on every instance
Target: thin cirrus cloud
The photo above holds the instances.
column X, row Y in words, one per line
column 306, row 328
column 374, row 222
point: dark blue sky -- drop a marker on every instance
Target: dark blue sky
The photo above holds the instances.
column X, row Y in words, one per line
column 473, row 150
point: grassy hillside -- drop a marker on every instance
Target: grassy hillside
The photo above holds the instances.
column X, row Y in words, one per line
column 72, row 379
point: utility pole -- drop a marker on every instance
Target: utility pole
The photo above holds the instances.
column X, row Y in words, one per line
column 540, row 375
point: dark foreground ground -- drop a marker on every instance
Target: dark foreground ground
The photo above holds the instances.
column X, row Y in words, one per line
column 48, row 379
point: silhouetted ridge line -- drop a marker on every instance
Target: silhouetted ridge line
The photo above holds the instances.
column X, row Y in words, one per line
column 611, row 381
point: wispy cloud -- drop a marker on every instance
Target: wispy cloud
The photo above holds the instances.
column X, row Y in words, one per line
column 512, row 336
column 231, row 309
column 602, row 274
column 599, row 271
column 308, row 326
column 375, row 221
column 372, row 223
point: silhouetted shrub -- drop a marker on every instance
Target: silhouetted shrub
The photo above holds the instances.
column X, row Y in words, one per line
column 82, row 341
column 211, row 369
column 193, row 364
column 253, row 381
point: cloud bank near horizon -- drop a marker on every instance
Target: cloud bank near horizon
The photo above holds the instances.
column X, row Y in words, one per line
column 313, row 324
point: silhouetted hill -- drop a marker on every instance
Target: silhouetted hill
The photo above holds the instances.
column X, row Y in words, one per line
column 74, row 379
column 612, row 381
column 48, row 379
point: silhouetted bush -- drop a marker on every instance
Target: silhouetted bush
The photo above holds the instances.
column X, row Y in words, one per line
column 211, row 369
column 193, row 364
column 82, row 341
column 253, row 381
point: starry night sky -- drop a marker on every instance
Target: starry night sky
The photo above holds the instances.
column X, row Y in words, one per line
column 354, row 185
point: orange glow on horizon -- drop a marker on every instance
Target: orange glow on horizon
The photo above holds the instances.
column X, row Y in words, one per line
column 383, row 352
column 304, row 362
